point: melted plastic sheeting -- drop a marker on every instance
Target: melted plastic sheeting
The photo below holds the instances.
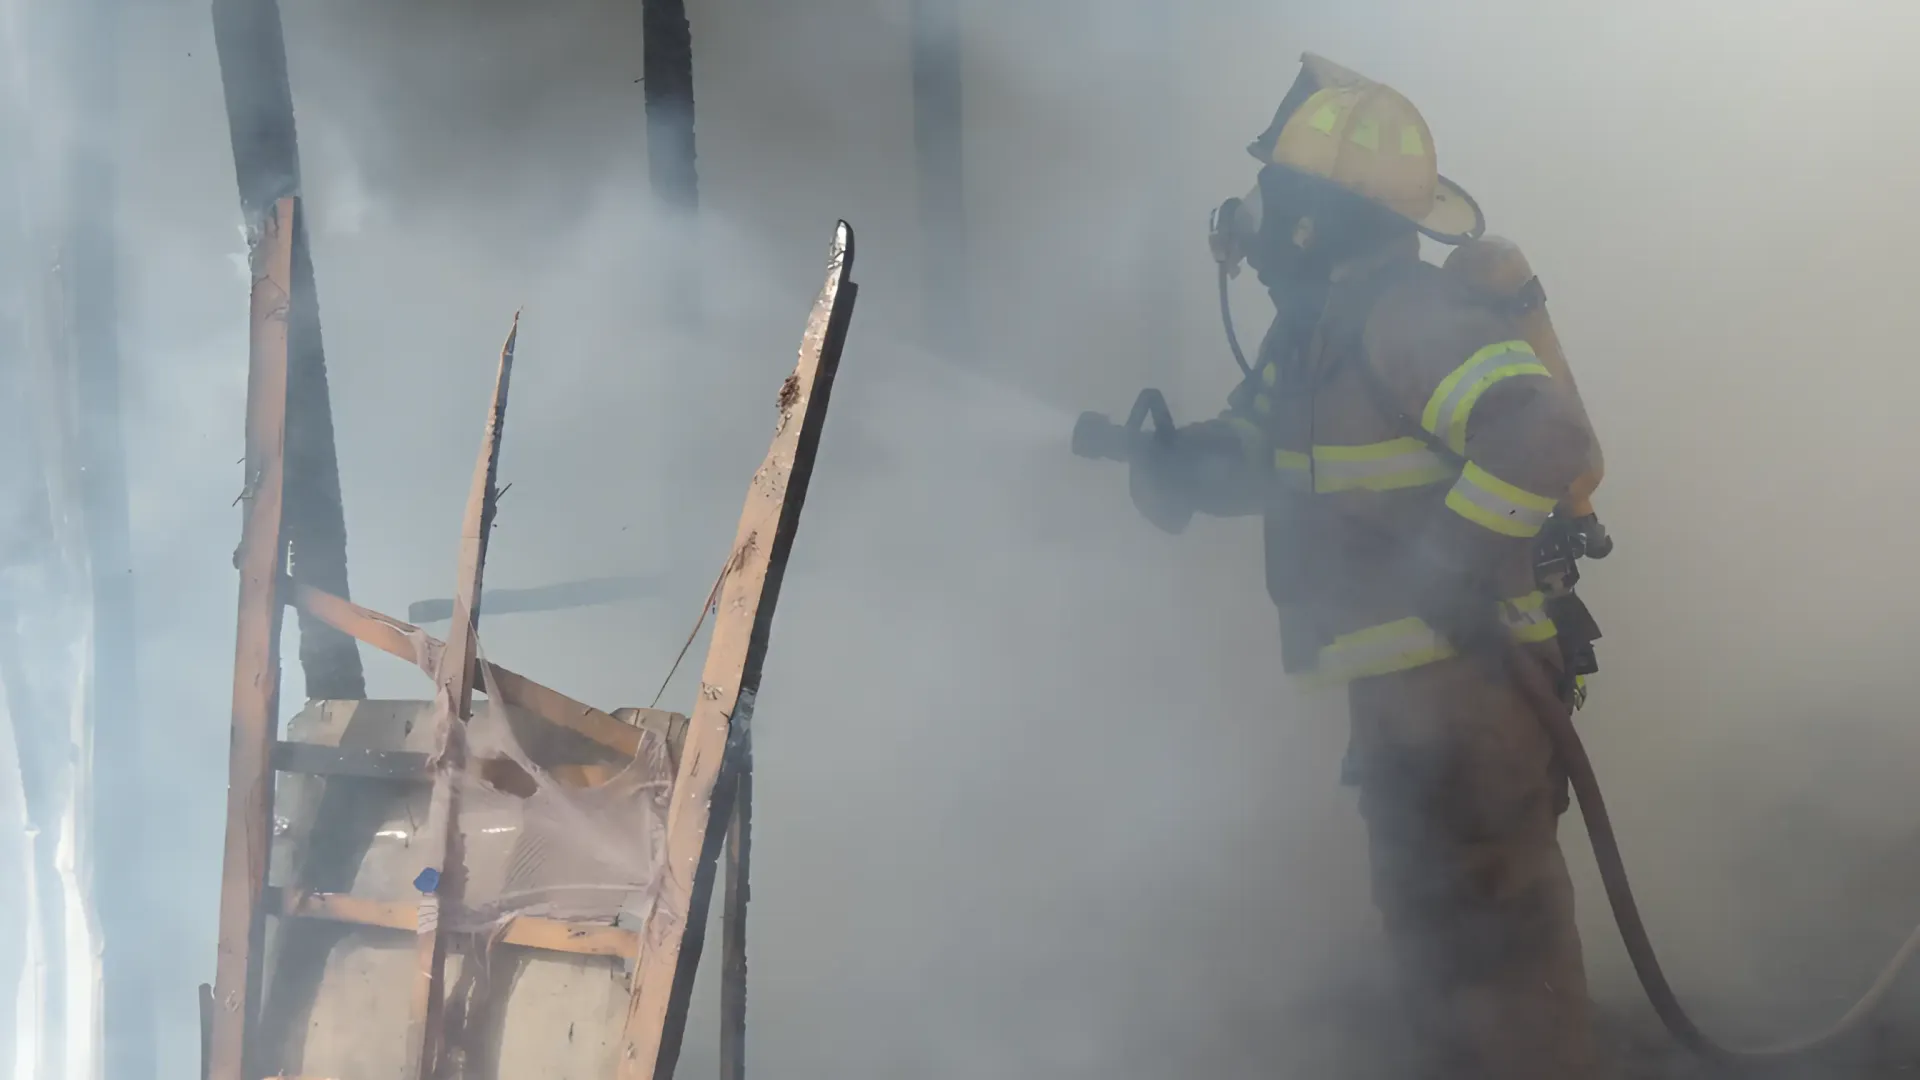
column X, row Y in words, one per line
column 589, row 853
column 550, row 824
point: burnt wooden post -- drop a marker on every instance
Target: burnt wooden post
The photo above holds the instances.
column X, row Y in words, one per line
column 667, row 67
column 733, row 920
column 667, row 74
column 939, row 162
column 718, row 730
column 256, row 666
column 454, row 704
column 266, row 161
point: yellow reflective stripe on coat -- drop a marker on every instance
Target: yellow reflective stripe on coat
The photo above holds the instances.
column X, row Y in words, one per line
column 1527, row 617
column 1492, row 503
column 1409, row 643
column 1453, row 400
column 1382, row 466
column 1293, row 468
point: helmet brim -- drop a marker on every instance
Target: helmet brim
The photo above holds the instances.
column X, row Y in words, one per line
column 1455, row 217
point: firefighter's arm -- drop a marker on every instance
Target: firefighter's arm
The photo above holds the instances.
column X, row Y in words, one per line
column 1489, row 400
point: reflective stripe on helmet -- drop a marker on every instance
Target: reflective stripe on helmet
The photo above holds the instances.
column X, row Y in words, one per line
column 1409, row 643
column 1452, row 402
column 1492, row 503
column 1382, row 466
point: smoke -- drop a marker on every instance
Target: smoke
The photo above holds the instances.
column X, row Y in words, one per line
column 1033, row 798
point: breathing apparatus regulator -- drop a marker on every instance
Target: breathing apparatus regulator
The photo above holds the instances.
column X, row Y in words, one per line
column 1327, row 113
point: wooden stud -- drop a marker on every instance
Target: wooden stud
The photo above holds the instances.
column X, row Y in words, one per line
column 454, row 703
column 256, row 665
column 702, row 793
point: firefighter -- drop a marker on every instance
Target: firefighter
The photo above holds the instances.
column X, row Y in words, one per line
column 1405, row 446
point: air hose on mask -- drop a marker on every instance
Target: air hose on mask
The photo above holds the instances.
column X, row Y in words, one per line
column 1537, row 686
column 1226, row 320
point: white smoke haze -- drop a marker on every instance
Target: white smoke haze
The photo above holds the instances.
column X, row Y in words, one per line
column 1033, row 798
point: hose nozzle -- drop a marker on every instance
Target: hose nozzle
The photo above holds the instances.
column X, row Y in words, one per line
column 1097, row 437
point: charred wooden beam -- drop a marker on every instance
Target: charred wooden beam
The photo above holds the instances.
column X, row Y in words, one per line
column 733, row 921
column 441, row 883
column 266, row 159
column 357, row 763
column 946, row 297
column 667, row 74
column 710, row 762
column 256, row 665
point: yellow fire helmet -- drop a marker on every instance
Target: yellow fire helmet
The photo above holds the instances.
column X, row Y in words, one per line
column 1367, row 138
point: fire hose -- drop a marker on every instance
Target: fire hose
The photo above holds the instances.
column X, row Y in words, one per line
column 1537, row 686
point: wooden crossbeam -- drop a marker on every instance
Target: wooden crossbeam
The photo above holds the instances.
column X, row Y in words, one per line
column 256, row 664
column 453, row 676
column 526, row 931
column 393, row 636
column 356, row 762
column 717, row 730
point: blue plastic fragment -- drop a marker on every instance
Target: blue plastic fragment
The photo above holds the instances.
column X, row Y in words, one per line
column 428, row 881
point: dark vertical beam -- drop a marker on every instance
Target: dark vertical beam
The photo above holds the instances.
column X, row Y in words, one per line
column 266, row 161
column 93, row 318
column 256, row 660
column 937, row 142
column 710, row 758
column 666, row 59
column 733, row 921
column 667, row 67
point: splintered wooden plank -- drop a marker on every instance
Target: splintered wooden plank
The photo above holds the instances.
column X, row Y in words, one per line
column 525, row 931
column 256, row 661
column 702, row 793
column 393, row 636
column 453, row 705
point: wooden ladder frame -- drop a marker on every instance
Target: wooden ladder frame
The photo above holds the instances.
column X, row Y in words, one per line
column 714, row 762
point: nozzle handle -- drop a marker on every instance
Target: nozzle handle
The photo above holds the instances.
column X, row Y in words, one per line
column 1096, row 436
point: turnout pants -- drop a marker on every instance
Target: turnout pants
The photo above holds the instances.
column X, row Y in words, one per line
column 1462, row 797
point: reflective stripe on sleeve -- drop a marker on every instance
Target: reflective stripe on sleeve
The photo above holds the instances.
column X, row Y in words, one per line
column 1409, row 643
column 1492, row 503
column 1382, row 466
column 1294, row 470
column 1445, row 416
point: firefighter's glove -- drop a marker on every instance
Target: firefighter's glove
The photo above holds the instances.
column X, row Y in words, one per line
column 1161, row 483
column 1201, row 468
